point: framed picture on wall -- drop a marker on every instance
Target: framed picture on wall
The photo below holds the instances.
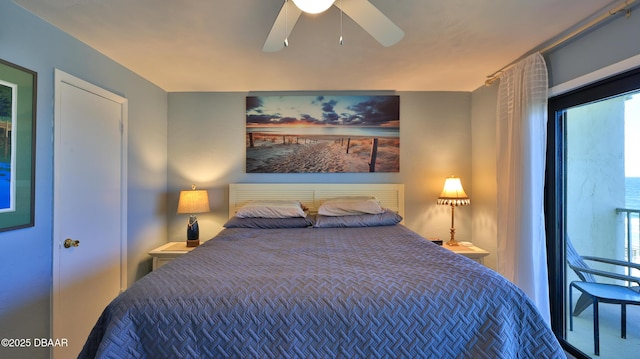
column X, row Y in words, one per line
column 322, row 134
column 17, row 146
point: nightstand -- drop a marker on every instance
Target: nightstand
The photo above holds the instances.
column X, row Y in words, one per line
column 472, row 252
column 168, row 252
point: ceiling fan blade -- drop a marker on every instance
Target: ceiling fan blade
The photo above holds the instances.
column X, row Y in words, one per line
column 371, row 20
column 286, row 20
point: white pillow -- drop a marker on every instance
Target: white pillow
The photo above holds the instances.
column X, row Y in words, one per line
column 350, row 206
column 271, row 209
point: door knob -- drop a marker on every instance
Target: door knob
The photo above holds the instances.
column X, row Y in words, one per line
column 68, row 243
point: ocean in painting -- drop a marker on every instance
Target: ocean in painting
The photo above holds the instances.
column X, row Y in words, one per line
column 364, row 131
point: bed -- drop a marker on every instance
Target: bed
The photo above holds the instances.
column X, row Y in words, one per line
column 365, row 291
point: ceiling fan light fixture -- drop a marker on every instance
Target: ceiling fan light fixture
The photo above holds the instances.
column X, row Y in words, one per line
column 313, row 6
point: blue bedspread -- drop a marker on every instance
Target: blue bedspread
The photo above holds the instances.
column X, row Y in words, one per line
column 325, row 293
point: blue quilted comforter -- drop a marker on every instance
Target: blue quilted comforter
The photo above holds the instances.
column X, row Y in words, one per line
column 350, row 292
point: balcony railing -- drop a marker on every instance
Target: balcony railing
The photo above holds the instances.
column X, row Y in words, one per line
column 632, row 235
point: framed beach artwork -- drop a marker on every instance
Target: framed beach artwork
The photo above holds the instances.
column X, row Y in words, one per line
column 17, row 146
column 322, row 134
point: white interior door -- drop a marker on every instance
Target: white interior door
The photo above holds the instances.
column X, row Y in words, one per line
column 89, row 208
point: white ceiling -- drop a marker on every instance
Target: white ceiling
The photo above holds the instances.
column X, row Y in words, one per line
column 216, row 45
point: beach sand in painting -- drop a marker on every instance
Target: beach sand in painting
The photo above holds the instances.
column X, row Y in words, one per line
column 321, row 153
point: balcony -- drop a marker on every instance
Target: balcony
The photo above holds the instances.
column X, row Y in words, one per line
column 612, row 346
column 611, row 343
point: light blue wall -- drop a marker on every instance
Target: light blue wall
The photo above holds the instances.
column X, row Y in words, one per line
column 483, row 171
column 607, row 44
column 26, row 255
column 207, row 148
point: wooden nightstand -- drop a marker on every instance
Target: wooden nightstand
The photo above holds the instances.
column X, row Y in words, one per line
column 473, row 252
column 168, row 252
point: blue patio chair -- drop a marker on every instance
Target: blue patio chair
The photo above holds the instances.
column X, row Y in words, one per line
column 593, row 292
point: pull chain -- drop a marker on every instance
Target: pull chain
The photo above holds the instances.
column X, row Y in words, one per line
column 341, row 40
column 286, row 25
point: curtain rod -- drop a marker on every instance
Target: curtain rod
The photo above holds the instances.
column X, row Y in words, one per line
column 623, row 6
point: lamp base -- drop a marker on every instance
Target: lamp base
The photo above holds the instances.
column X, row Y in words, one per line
column 193, row 242
column 452, row 241
column 193, row 230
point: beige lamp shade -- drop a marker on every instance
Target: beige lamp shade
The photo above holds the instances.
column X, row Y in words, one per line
column 194, row 201
column 453, row 194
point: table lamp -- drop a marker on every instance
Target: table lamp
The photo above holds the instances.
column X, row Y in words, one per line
column 192, row 202
column 453, row 195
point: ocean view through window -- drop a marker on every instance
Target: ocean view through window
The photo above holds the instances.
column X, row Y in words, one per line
column 632, row 176
column 632, row 192
column 632, row 229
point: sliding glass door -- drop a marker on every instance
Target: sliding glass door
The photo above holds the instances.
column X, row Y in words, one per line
column 592, row 208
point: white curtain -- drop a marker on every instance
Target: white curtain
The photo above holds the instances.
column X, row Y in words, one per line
column 521, row 147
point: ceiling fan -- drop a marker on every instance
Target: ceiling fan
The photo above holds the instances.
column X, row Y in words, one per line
column 362, row 12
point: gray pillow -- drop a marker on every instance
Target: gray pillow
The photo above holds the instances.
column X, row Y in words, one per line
column 268, row 223
column 386, row 218
column 272, row 209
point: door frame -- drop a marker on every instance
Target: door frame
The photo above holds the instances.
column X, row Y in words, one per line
column 61, row 78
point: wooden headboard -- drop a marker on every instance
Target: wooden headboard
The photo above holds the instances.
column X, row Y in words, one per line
column 313, row 194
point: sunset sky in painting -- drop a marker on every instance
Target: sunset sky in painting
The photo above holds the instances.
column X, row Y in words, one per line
column 323, row 111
